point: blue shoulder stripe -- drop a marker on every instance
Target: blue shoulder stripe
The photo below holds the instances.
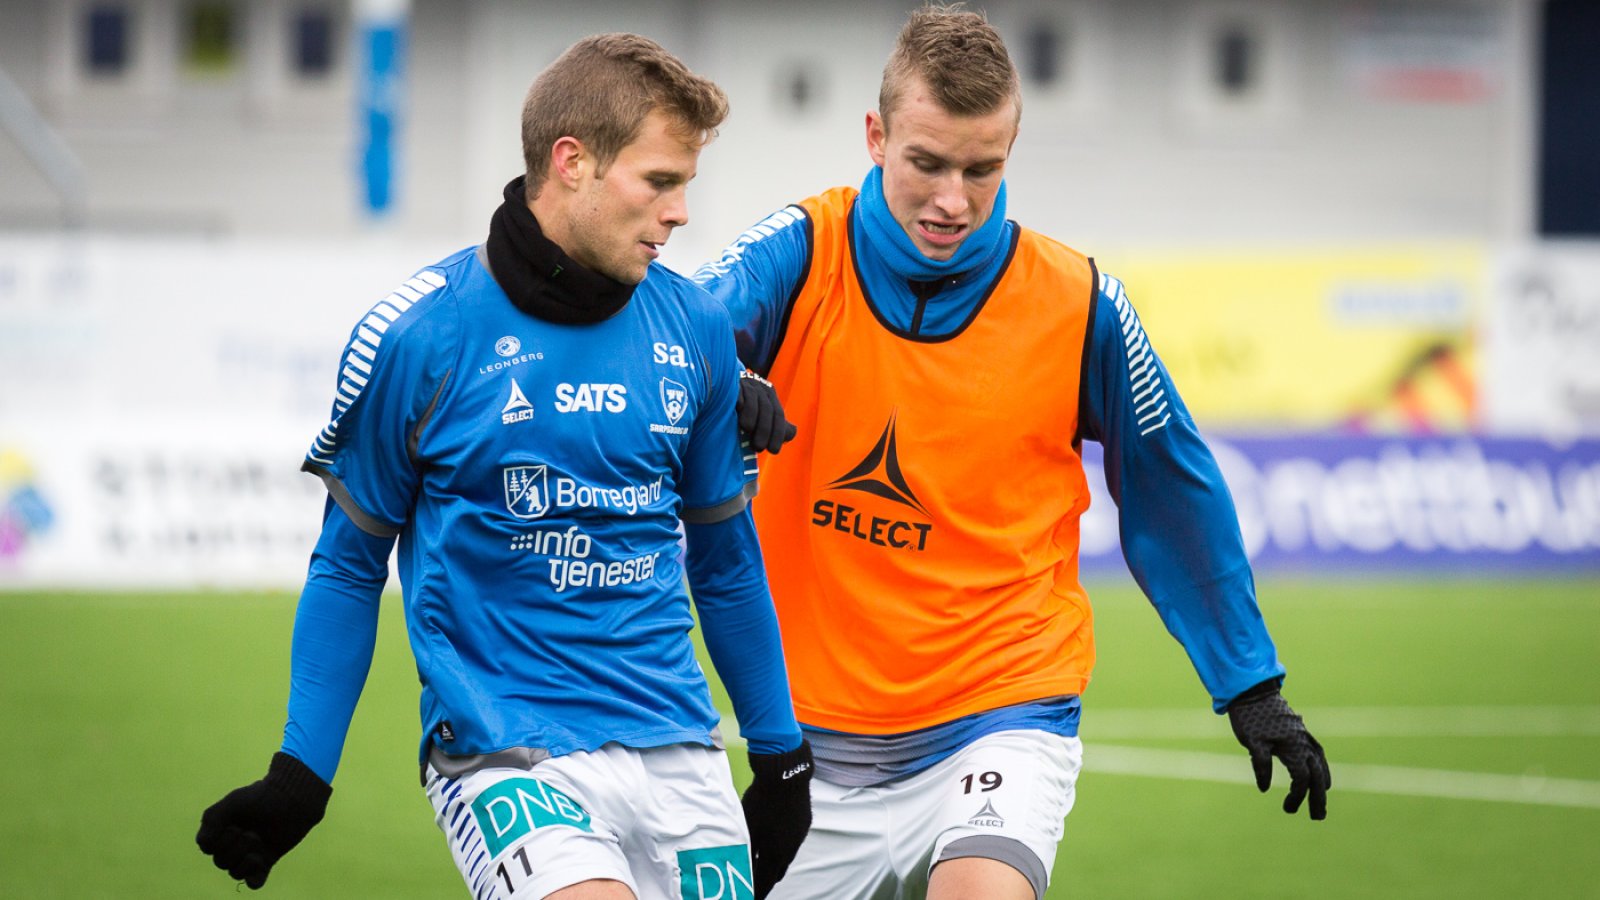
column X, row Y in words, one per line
column 362, row 352
column 1144, row 375
column 765, row 228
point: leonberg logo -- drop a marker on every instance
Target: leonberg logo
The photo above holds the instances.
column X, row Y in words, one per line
column 877, row 474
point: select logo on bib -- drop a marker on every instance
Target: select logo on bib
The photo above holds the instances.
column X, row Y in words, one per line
column 510, row 810
column 716, row 873
column 879, row 475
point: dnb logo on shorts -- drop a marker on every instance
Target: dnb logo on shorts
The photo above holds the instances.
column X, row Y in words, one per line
column 527, row 491
column 512, row 809
column 716, row 873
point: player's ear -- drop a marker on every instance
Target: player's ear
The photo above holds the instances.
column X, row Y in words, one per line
column 877, row 137
column 569, row 159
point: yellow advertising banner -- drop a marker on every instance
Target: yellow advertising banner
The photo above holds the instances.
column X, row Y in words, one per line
column 1363, row 340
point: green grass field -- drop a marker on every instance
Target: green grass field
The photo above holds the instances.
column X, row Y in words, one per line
column 1462, row 718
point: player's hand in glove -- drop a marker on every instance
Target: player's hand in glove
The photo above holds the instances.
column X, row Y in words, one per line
column 761, row 418
column 777, row 807
column 250, row 829
column 1267, row 727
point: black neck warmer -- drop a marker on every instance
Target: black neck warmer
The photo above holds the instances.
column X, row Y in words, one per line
column 540, row 278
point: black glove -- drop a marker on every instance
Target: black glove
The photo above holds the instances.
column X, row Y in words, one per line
column 249, row 830
column 777, row 807
column 1267, row 727
column 761, row 414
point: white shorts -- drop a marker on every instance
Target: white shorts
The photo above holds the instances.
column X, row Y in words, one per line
column 1005, row 796
column 666, row 822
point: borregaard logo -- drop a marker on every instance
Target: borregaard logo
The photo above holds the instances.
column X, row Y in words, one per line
column 527, row 491
column 878, row 474
column 531, row 492
column 517, row 409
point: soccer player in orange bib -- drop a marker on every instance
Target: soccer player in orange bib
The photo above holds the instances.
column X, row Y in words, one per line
column 944, row 365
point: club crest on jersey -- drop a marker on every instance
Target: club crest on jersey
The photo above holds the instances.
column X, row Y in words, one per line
column 674, row 399
column 527, row 491
column 517, row 408
column 674, row 402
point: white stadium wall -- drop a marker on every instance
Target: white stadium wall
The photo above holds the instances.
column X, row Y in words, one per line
column 166, row 360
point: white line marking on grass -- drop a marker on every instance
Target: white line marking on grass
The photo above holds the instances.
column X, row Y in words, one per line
column 1400, row 780
column 1359, row 721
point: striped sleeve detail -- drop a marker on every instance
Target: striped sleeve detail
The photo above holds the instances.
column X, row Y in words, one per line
column 749, row 456
column 766, row 228
column 362, row 351
column 1148, row 394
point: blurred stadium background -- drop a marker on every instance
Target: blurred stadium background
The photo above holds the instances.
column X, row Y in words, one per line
column 1364, row 235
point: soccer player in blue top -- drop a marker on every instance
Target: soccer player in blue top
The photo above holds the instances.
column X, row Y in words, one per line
column 533, row 419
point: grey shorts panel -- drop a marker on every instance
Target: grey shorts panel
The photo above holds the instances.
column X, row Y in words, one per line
column 1013, row 853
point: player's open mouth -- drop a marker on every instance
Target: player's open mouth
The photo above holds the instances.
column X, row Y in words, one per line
column 653, row 248
column 942, row 234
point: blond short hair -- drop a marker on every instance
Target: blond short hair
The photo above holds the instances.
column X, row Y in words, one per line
column 959, row 56
column 600, row 91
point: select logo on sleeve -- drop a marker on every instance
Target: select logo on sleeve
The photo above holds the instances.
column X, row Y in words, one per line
column 716, row 873
column 513, row 808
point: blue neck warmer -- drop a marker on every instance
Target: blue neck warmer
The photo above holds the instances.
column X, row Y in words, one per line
column 902, row 257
